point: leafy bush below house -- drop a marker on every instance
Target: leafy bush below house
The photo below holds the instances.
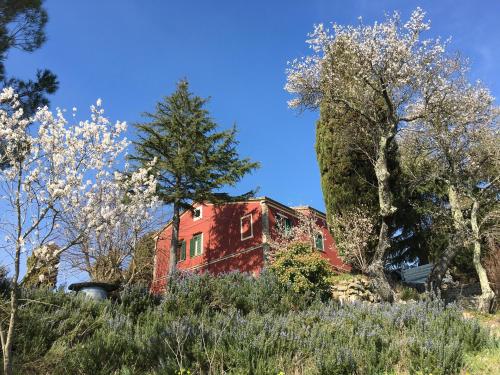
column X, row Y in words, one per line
column 237, row 324
column 301, row 269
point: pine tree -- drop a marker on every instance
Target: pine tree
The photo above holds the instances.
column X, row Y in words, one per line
column 22, row 27
column 193, row 159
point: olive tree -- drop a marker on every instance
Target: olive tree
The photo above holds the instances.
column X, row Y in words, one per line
column 455, row 147
column 380, row 72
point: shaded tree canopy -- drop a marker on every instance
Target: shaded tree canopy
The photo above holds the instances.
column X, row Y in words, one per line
column 22, row 26
column 347, row 176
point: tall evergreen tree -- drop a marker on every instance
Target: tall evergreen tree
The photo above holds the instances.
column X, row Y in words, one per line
column 193, row 159
column 345, row 161
column 346, row 152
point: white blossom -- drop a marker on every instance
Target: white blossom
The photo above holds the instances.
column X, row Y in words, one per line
column 69, row 187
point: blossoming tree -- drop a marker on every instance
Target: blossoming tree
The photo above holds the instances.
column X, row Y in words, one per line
column 455, row 149
column 306, row 231
column 126, row 213
column 59, row 187
column 380, row 72
column 354, row 232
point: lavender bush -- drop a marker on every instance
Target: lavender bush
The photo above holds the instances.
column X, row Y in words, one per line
column 236, row 324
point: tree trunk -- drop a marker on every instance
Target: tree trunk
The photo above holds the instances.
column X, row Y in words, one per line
column 7, row 340
column 487, row 295
column 7, row 347
column 174, row 241
column 442, row 264
column 457, row 240
column 376, row 268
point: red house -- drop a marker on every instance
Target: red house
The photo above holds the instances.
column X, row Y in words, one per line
column 233, row 237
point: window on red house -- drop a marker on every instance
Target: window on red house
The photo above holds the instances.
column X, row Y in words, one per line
column 196, row 245
column 283, row 224
column 246, row 227
column 319, row 242
column 181, row 251
column 197, row 213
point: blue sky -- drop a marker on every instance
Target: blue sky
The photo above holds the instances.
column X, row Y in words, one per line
column 131, row 53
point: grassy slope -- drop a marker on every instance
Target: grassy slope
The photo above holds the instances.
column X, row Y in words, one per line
column 486, row 362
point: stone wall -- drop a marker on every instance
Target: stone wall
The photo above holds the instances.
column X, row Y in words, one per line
column 466, row 296
column 355, row 289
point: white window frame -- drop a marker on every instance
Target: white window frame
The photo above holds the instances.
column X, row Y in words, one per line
column 200, row 208
column 241, row 227
column 282, row 217
column 201, row 245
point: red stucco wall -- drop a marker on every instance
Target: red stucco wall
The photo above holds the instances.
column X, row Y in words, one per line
column 330, row 250
column 223, row 247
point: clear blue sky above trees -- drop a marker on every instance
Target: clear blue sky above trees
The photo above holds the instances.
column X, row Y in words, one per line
column 131, row 53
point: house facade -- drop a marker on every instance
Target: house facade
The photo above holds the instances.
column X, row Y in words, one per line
column 220, row 238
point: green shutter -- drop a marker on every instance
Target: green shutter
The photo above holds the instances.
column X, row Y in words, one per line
column 183, row 250
column 191, row 247
column 288, row 226
column 319, row 241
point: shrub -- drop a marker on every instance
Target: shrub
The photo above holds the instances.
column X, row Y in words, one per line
column 406, row 294
column 303, row 270
column 237, row 324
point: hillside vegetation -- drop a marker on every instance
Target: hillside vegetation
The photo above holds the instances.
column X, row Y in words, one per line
column 236, row 324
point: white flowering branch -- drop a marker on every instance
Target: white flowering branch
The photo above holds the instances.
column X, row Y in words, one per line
column 59, row 186
column 387, row 74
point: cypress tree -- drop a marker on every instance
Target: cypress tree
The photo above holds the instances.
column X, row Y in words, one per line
column 347, row 175
column 193, row 159
column 345, row 151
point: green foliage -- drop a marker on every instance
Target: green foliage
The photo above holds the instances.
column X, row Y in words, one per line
column 237, row 324
column 303, row 270
column 407, row 294
column 140, row 269
column 486, row 362
column 347, row 174
column 22, row 26
column 342, row 277
column 193, row 158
